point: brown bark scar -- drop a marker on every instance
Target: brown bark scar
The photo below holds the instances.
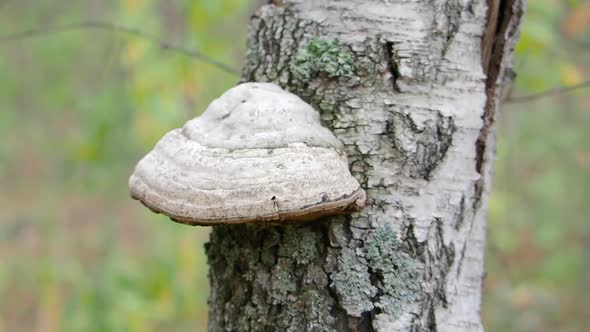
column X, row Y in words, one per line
column 500, row 16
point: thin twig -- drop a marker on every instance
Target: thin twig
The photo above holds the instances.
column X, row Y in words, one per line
column 122, row 29
column 200, row 56
column 548, row 93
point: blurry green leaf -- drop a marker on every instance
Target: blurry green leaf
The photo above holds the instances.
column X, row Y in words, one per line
column 561, row 268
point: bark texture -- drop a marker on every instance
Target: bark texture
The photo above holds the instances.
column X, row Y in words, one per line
column 412, row 89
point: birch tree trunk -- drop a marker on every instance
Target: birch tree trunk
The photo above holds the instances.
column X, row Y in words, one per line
column 412, row 88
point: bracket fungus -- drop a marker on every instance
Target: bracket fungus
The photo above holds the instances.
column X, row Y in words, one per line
column 257, row 154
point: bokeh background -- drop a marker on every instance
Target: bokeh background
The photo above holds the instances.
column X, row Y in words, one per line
column 78, row 108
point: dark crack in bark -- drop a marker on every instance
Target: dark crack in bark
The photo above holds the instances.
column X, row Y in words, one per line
column 421, row 147
column 392, row 65
column 439, row 256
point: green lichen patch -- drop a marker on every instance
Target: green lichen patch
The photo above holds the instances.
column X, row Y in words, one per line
column 352, row 283
column 282, row 282
column 322, row 56
column 300, row 244
column 377, row 277
column 395, row 273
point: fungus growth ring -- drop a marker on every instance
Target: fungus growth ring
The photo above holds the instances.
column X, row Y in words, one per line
column 257, row 154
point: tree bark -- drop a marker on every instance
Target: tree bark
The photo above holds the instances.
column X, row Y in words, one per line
column 412, row 88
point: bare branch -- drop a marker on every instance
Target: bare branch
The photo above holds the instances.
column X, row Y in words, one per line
column 122, row 29
column 548, row 93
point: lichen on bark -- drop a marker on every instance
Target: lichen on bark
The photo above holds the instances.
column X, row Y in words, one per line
column 395, row 273
column 322, row 56
column 269, row 278
column 377, row 277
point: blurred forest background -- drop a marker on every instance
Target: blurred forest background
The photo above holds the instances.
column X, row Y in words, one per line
column 78, row 108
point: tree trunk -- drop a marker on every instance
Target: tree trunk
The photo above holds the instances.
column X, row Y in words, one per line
column 412, row 89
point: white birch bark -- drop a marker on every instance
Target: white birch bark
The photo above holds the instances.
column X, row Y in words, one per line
column 410, row 87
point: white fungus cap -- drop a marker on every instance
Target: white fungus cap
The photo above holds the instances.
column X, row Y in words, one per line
column 257, row 154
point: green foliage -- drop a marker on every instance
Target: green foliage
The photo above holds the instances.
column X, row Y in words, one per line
column 544, row 58
column 323, row 56
column 77, row 110
column 538, row 225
